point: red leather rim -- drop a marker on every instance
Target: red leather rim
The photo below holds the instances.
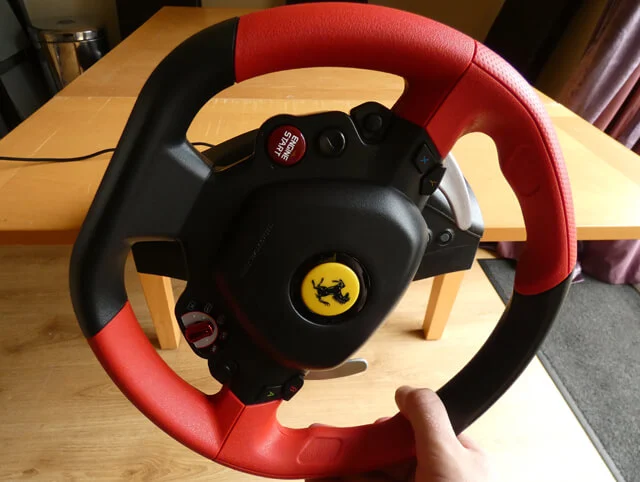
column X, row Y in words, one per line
column 444, row 71
column 530, row 158
column 222, row 428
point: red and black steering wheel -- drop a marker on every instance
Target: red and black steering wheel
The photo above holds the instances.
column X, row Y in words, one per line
column 299, row 238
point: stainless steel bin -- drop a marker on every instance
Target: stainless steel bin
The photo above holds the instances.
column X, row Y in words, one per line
column 70, row 46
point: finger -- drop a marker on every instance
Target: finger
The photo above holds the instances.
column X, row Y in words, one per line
column 468, row 443
column 366, row 477
column 428, row 417
column 401, row 472
column 318, row 425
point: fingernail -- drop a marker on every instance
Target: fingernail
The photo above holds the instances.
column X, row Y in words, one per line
column 401, row 394
column 319, row 425
column 382, row 419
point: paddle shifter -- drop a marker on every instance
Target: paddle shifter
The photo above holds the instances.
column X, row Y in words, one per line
column 299, row 238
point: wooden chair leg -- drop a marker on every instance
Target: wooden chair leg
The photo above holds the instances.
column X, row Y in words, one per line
column 161, row 302
column 443, row 293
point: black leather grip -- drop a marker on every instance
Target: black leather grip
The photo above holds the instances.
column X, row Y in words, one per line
column 504, row 356
column 155, row 175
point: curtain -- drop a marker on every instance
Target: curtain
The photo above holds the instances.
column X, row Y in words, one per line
column 605, row 90
column 525, row 33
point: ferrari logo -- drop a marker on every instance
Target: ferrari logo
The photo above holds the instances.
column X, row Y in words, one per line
column 330, row 289
column 335, row 291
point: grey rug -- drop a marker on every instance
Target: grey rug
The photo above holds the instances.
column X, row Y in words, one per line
column 592, row 353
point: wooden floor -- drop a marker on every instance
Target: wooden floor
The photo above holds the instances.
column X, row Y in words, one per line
column 62, row 419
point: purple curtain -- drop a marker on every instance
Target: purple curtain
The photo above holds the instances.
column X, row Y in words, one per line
column 605, row 90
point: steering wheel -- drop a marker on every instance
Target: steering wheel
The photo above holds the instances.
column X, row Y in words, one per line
column 299, row 238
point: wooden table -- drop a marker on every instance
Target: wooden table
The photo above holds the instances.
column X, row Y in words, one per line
column 46, row 203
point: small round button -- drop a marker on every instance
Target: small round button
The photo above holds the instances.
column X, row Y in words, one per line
column 330, row 289
column 332, row 142
column 286, row 145
column 445, row 237
column 373, row 122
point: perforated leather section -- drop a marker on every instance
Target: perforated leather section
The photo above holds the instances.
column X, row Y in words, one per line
column 430, row 56
column 491, row 97
column 500, row 69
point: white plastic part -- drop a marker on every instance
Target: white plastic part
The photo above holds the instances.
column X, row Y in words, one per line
column 348, row 368
column 454, row 188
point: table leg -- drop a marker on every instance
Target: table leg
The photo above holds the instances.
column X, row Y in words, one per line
column 161, row 302
column 443, row 293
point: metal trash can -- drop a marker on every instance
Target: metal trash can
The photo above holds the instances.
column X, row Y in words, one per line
column 69, row 46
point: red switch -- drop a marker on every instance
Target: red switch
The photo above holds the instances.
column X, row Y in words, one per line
column 199, row 331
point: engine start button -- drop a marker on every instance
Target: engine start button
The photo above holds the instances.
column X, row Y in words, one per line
column 286, row 145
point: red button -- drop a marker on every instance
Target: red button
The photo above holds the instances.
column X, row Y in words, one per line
column 286, row 145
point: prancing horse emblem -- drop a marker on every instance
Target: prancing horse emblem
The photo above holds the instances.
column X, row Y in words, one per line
column 334, row 291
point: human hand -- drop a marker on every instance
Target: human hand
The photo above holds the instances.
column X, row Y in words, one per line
column 440, row 455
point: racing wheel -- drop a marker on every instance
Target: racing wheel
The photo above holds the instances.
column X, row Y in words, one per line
column 297, row 239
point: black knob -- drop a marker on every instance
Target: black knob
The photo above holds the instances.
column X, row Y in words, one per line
column 445, row 237
column 373, row 122
column 332, row 142
column 222, row 371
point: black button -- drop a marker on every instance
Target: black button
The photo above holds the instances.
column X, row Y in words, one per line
column 332, row 142
column 292, row 386
column 222, row 371
column 373, row 122
column 431, row 180
column 229, row 368
column 445, row 237
column 424, row 159
column 269, row 394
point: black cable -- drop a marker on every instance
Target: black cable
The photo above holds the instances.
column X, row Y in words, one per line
column 57, row 159
column 79, row 158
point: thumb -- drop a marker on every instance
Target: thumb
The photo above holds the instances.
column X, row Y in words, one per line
column 428, row 418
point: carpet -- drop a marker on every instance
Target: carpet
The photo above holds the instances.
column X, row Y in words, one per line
column 592, row 353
